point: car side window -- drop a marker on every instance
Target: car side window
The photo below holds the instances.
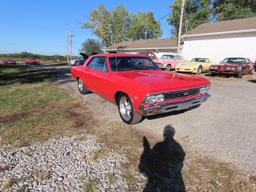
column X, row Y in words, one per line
column 98, row 63
column 167, row 57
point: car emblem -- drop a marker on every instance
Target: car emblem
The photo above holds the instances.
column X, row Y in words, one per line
column 186, row 93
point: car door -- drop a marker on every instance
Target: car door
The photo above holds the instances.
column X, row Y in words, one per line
column 99, row 74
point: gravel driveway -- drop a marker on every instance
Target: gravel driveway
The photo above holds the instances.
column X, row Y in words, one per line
column 223, row 127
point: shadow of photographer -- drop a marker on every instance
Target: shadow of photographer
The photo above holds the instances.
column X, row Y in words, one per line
column 163, row 164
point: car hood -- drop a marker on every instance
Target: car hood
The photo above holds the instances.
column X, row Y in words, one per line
column 226, row 65
column 165, row 81
column 190, row 64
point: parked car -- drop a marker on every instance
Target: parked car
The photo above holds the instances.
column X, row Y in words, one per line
column 81, row 60
column 236, row 66
column 9, row 61
column 196, row 65
column 32, row 62
column 165, row 60
column 137, row 85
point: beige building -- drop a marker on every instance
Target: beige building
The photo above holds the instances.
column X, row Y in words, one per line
column 158, row 45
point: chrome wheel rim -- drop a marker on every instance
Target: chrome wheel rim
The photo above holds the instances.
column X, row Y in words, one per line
column 125, row 108
column 80, row 85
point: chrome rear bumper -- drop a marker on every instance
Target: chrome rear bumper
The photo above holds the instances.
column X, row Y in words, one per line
column 148, row 111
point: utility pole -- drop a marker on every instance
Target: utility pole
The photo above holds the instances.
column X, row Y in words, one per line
column 71, row 44
column 67, row 44
column 180, row 27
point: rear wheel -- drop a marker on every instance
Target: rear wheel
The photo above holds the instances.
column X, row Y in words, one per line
column 82, row 89
column 126, row 110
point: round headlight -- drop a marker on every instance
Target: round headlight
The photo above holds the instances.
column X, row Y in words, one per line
column 204, row 90
column 152, row 99
column 160, row 98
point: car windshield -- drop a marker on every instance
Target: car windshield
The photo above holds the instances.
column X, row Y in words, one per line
column 200, row 60
column 179, row 57
column 132, row 63
column 237, row 61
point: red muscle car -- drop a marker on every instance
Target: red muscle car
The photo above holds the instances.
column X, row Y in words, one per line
column 237, row 66
column 9, row 61
column 32, row 62
column 165, row 60
column 138, row 86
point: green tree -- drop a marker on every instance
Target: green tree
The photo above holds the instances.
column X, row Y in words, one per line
column 119, row 25
column 144, row 26
column 91, row 46
column 234, row 9
column 109, row 26
column 120, row 22
column 196, row 12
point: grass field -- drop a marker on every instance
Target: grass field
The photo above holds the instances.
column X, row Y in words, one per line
column 33, row 109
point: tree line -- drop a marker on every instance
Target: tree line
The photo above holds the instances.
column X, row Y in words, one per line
column 117, row 25
column 28, row 55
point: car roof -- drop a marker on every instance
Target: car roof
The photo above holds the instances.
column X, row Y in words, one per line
column 118, row 55
column 165, row 53
column 200, row 58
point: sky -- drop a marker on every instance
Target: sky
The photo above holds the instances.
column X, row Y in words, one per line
column 39, row 26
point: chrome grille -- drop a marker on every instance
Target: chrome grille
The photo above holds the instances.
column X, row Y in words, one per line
column 180, row 94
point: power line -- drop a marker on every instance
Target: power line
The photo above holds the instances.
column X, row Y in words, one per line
column 164, row 16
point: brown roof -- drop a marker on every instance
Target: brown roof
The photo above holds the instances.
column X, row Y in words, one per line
column 149, row 43
column 224, row 26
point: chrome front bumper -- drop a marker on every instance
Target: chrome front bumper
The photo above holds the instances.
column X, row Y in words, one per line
column 148, row 111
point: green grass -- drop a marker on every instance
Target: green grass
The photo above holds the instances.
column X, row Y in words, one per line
column 23, row 98
column 31, row 112
column 90, row 186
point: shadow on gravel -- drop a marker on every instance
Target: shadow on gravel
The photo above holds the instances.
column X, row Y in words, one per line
column 27, row 74
column 170, row 113
column 252, row 81
column 163, row 164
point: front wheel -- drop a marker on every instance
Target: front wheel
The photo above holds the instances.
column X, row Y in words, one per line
column 127, row 112
column 199, row 70
column 82, row 89
column 240, row 74
column 168, row 67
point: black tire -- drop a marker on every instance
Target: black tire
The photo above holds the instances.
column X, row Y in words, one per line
column 168, row 67
column 134, row 117
column 212, row 74
column 199, row 70
column 81, row 88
